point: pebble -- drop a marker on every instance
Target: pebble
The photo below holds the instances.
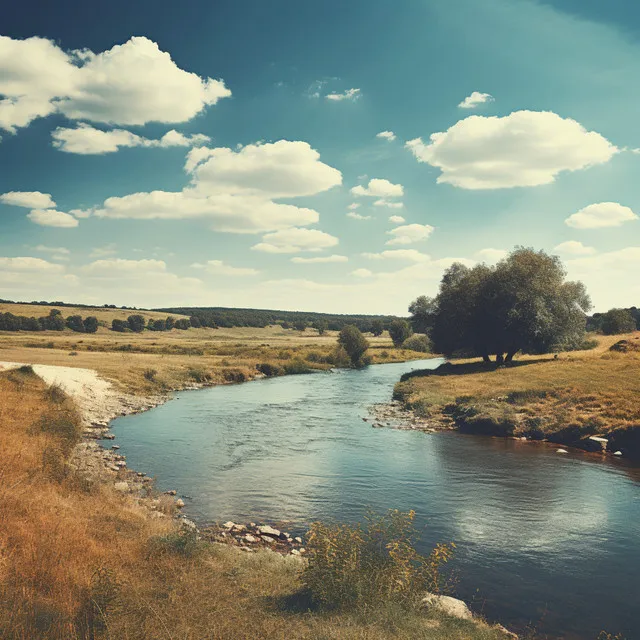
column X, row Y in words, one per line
column 179, row 503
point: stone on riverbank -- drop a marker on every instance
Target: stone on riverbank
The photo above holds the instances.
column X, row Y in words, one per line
column 448, row 605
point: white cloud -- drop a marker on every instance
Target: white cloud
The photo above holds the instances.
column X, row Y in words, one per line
column 409, row 233
column 356, row 216
column 236, row 190
column 81, row 213
column 57, row 253
column 350, row 94
column 574, row 248
column 396, row 219
column 408, row 255
column 353, row 206
column 295, row 240
column 379, row 188
column 119, row 266
column 523, row 149
column 386, row 135
column 27, row 264
column 52, row 218
column 475, row 99
column 362, row 273
column 491, row 255
column 389, row 205
column 105, row 251
column 28, row 199
column 320, row 259
column 600, row 215
column 85, row 139
column 133, row 83
column 218, row 267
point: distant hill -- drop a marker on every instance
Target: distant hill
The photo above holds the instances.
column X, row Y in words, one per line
column 231, row 317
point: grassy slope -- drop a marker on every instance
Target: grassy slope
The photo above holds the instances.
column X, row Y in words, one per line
column 220, row 354
column 577, row 395
column 76, row 555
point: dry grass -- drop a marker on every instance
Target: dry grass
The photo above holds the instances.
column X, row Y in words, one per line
column 216, row 355
column 581, row 393
column 78, row 561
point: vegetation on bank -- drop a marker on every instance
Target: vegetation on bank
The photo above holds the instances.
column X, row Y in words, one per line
column 80, row 561
column 566, row 398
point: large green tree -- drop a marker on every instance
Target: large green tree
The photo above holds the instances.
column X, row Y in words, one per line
column 399, row 331
column 523, row 303
column 617, row 321
column 354, row 343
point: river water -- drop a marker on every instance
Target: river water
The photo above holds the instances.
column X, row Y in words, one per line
column 546, row 540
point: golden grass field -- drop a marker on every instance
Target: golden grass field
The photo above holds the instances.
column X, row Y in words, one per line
column 586, row 393
column 178, row 357
column 79, row 561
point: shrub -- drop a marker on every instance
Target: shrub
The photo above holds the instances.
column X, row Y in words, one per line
column 150, row 374
column 417, row 342
column 75, row 323
column 61, row 422
column 296, row 366
column 353, row 343
column 119, row 325
column 90, row 324
column 399, row 331
column 136, row 323
column 183, row 543
column 365, row 567
column 270, row 370
column 617, row 321
column 234, row 375
column 199, row 375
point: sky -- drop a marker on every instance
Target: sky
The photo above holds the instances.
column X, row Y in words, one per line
column 333, row 156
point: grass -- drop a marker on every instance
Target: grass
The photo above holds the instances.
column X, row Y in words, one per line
column 179, row 358
column 79, row 561
column 565, row 398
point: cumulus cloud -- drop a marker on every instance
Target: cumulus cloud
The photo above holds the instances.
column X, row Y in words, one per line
column 475, row 99
column 353, row 206
column 574, row 248
column 87, row 140
column 28, row 199
column 491, row 255
column 600, row 215
column 104, row 251
column 25, row 264
column 350, row 94
column 408, row 255
column 320, row 259
column 362, row 273
column 389, row 205
column 295, row 240
column 357, row 216
column 219, row 268
column 409, row 233
column 57, row 253
column 52, row 218
column 132, row 84
column 379, row 188
column 386, row 135
column 523, row 149
column 236, row 189
column 396, row 219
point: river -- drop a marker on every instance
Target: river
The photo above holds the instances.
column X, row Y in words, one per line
column 543, row 540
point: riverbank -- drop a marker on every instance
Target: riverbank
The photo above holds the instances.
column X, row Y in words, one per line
column 586, row 400
column 85, row 555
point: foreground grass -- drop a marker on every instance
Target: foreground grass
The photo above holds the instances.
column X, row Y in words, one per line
column 564, row 399
column 79, row 561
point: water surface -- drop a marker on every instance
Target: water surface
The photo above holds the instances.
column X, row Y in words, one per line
column 542, row 539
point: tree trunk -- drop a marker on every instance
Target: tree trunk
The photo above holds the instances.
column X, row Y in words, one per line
column 485, row 358
column 499, row 358
column 510, row 355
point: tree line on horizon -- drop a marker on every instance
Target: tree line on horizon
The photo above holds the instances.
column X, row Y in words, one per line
column 53, row 322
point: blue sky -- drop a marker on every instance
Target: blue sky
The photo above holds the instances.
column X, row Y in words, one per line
column 230, row 154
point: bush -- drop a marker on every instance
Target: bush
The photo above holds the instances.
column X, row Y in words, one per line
column 353, row 343
column 270, row 370
column 199, row 375
column 150, row 374
column 418, row 342
column 399, row 331
column 90, row 324
column 119, row 325
column 617, row 321
column 136, row 323
column 182, row 543
column 296, row 366
column 365, row 567
column 63, row 423
column 75, row 323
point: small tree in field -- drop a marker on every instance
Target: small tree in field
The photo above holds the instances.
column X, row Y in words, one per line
column 321, row 326
column 354, row 343
column 136, row 323
column 617, row 321
column 377, row 328
column 90, row 324
column 399, row 331
column 75, row 323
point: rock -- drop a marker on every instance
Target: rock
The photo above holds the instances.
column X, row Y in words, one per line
column 303, row 550
column 122, row 487
column 295, row 552
column 229, row 525
column 108, row 436
column 298, row 540
column 239, row 528
column 179, row 503
column 115, row 447
column 250, row 538
column 189, row 525
column 121, row 463
column 266, row 530
column 507, row 633
column 448, row 605
column 562, row 451
column 171, row 492
column 617, row 453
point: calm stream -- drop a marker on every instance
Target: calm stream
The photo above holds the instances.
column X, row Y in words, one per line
column 543, row 539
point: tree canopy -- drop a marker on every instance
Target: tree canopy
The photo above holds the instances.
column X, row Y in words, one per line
column 399, row 330
column 354, row 343
column 523, row 303
column 617, row 321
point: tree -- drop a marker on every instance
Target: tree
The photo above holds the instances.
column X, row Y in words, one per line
column 182, row 323
column 136, row 323
column 90, row 324
column 399, row 331
column 300, row 325
column 377, row 327
column 521, row 304
column 617, row 321
column 75, row 323
column 320, row 326
column 169, row 323
column 119, row 325
column 195, row 322
column 354, row 343
column 422, row 311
